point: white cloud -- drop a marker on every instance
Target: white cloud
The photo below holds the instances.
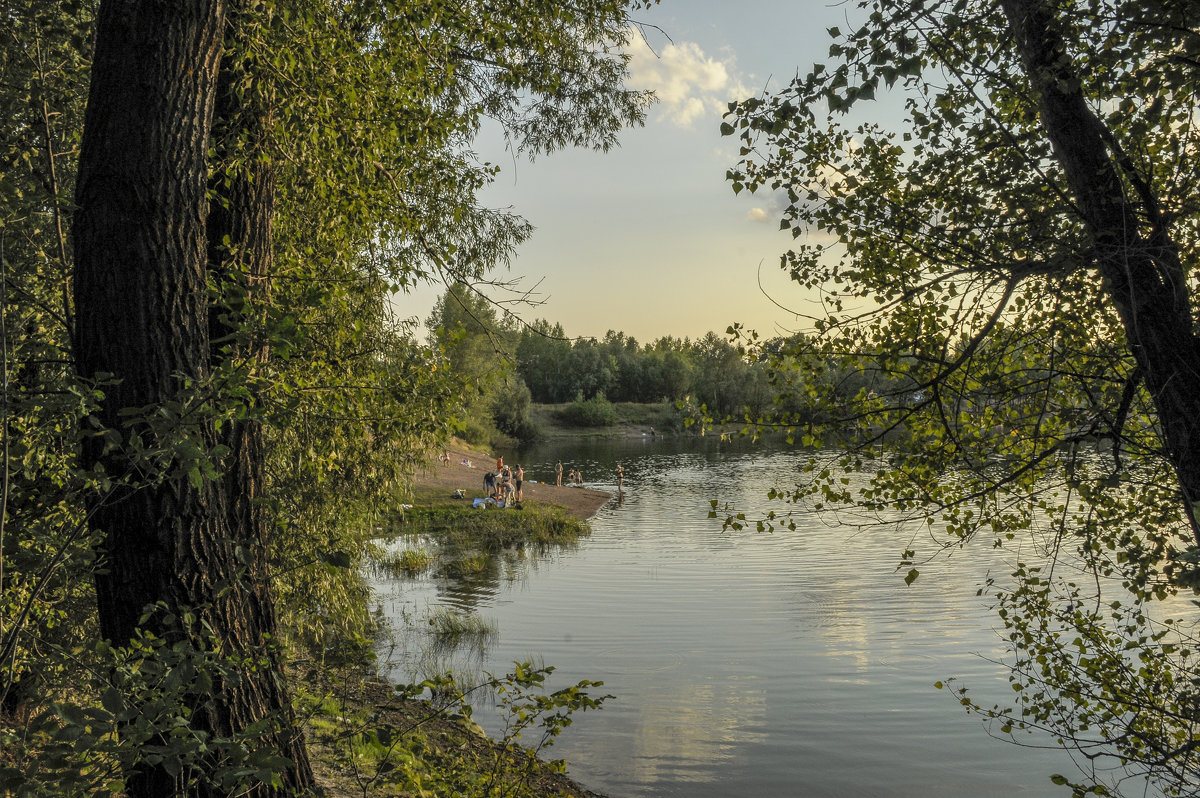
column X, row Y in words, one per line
column 689, row 84
column 757, row 215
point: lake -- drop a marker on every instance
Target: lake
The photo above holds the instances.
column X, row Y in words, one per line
column 793, row 663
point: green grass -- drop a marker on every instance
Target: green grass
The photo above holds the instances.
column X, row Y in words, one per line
column 468, row 564
column 458, row 526
column 409, row 562
column 631, row 418
column 450, row 626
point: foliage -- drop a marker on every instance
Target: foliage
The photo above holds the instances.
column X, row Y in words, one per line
column 492, row 400
column 510, row 410
column 45, row 546
column 594, row 412
column 391, row 745
column 527, row 708
column 711, row 370
column 967, row 273
column 360, row 117
column 146, row 694
column 504, row 361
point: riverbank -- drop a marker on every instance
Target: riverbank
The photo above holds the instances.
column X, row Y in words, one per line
column 369, row 739
column 436, row 484
column 628, row 420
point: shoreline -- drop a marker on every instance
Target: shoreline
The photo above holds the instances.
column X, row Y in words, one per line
column 436, row 736
column 417, row 719
column 438, row 481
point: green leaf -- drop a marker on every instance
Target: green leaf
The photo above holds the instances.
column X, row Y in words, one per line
column 337, row 559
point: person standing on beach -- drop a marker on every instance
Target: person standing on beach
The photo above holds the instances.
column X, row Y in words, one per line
column 558, row 474
column 518, row 478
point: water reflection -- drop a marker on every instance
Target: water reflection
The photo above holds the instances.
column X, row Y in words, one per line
column 745, row 664
column 692, row 733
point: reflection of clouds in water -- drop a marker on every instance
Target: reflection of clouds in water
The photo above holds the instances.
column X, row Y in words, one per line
column 867, row 618
column 681, row 733
column 745, row 663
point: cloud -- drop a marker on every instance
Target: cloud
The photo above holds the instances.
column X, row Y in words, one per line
column 689, row 84
column 757, row 215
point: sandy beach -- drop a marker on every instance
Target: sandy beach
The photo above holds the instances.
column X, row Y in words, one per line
column 581, row 502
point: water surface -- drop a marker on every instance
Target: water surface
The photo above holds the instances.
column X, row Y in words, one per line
column 795, row 663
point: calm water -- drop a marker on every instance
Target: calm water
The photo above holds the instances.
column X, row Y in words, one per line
column 743, row 663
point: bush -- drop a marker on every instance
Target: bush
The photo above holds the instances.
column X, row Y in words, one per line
column 510, row 411
column 594, row 412
column 477, row 431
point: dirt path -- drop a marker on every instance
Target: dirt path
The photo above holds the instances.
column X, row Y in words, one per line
column 581, row 502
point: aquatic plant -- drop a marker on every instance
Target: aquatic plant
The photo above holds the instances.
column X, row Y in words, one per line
column 409, row 562
column 451, row 626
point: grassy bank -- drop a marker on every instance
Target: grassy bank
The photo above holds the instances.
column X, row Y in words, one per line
column 625, row 419
column 371, row 739
column 456, row 541
column 457, row 524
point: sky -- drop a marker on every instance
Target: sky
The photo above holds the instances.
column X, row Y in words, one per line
column 648, row 239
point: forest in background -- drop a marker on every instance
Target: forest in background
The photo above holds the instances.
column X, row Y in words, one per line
column 509, row 362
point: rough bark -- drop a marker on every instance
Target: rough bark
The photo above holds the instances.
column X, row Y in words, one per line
column 143, row 317
column 1135, row 254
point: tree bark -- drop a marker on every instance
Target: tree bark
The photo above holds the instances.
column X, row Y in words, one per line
column 143, row 318
column 1135, row 254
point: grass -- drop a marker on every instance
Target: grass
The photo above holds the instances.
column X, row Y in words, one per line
column 457, row 526
column 409, row 562
column 467, row 564
column 450, row 626
column 366, row 738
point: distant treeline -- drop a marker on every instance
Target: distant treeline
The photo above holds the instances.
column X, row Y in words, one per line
column 507, row 363
column 709, row 370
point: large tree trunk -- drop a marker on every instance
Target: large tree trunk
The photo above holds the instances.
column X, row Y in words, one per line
column 1134, row 252
column 143, row 318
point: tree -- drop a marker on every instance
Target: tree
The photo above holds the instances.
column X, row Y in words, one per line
column 173, row 535
column 1017, row 265
column 541, row 352
column 254, row 180
column 476, row 350
column 725, row 383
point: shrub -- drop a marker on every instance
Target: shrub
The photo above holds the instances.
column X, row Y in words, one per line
column 594, row 412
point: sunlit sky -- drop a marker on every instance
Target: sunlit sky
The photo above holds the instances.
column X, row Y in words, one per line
column 649, row 239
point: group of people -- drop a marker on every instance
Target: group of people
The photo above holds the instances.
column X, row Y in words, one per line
column 504, row 485
column 574, row 477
